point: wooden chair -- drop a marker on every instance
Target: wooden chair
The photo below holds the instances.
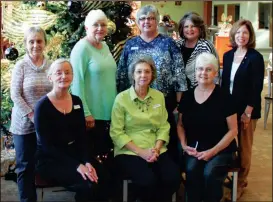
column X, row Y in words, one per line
column 269, row 97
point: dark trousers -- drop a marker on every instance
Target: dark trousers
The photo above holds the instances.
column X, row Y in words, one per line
column 173, row 151
column 67, row 176
column 25, row 148
column 204, row 179
column 153, row 181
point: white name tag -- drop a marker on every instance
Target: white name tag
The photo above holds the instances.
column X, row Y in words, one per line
column 77, row 106
column 134, row 48
column 156, row 106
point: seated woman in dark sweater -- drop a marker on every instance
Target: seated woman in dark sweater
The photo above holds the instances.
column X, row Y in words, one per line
column 61, row 139
column 207, row 127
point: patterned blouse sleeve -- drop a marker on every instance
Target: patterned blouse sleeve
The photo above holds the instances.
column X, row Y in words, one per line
column 178, row 68
column 122, row 70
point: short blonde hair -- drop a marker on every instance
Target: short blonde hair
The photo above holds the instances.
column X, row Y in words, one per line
column 94, row 16
column 34, row 30
column 207, row 59
column 55, row 63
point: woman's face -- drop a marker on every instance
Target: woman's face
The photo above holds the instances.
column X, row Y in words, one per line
column 35, row 44
column 147, row 24
column 242, row 36
column 142, row 75
column 97, row 31
column 205, row 74
column 190, row 31
column 62, row 75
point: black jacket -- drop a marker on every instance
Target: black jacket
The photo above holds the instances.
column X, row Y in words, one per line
column 248, row 81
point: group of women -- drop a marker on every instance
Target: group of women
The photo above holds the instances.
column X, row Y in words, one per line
column 130, row 108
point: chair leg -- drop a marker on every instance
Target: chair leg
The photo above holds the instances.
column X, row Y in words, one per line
column 40, row 194
column 125, row 190
column 234, row 186
column 266, row 111
column 174, row 197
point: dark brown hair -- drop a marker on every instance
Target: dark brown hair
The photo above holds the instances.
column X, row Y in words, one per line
column 196, row 20
column 252, row 38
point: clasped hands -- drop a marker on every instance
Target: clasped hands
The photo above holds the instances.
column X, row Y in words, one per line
column 150, row 155
column 203, row 155
column 87, row 171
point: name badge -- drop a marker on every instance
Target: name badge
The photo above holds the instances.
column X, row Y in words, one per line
column 77, row 106
column 134, row 48
column 156, row 106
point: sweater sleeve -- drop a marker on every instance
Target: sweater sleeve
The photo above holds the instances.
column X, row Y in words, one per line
column 16, row 89
column 79, row 59
column 45, row 139
column 117, row 131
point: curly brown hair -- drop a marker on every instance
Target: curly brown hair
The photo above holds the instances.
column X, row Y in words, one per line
column 196, row 20
column 252, row 38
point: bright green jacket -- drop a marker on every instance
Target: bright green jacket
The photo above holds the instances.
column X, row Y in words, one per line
column 141, row 121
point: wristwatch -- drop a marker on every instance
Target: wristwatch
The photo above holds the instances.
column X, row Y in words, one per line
column 248, row 115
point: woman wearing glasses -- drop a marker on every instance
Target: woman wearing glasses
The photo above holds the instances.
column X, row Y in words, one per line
column 171, row 80
column 95, row 81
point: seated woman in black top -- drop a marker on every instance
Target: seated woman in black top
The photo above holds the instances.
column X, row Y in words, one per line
column 60, row 126
column 207, row 127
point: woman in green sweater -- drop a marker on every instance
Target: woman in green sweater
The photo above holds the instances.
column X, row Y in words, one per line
column 94, row 81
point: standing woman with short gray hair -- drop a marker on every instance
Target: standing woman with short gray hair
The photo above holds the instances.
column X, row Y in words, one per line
column 28, row 84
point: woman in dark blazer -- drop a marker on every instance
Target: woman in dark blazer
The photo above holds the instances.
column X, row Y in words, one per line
column 243, row 74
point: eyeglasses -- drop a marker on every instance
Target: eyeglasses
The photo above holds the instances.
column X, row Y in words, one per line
column 97, row 25
column 142, row 19
column 60, row 73
column 190, row 26
column 207, row 69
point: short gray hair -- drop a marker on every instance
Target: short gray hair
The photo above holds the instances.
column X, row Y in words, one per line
column 207, row 59
column 57, row 62
column 145, row 10
column 94, row 16
column 35, row 29
column 141, row 59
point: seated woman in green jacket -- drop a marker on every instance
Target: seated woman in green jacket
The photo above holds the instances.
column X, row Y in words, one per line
column 140, row 132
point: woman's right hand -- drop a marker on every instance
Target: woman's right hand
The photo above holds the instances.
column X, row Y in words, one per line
column 191, row 151
column 147, row 155
column 85, row 173
column 90, row 122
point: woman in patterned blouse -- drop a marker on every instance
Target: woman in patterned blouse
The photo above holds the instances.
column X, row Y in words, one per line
column 28, row 84
column 171, row 80
column 193, row 33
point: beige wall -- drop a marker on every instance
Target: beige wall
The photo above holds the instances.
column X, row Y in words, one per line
column 176, row 12
column 249, row 10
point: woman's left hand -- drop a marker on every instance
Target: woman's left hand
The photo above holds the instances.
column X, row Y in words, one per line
column 245, row 121
column 92, row 172
column 205, row 155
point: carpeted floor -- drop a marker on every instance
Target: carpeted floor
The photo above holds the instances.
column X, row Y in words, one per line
column 260, row 177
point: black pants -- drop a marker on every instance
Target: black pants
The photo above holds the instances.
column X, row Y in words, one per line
column 67, row 176
column 173, row 151
column 153, row 181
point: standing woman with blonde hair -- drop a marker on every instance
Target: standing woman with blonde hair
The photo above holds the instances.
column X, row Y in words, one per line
column 95, row 81
column 28, row 83
column 243, row 74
